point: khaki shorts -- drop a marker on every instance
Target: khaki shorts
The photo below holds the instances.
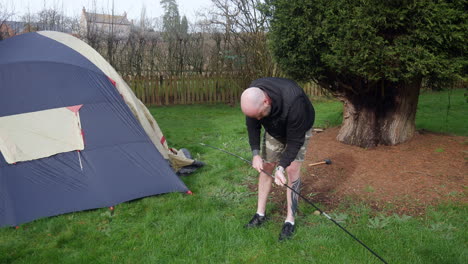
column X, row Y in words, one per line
column 272, row 148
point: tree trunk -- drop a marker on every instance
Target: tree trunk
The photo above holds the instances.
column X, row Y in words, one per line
column 386, row 117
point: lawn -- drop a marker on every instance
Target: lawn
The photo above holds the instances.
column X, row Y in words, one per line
column 207, row 227
column 444, row 112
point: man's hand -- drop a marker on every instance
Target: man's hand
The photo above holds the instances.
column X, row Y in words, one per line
column 257, row 163
column 279, row 176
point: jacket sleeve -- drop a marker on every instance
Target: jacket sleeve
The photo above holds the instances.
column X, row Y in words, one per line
column 297, row 125
column 254, row 129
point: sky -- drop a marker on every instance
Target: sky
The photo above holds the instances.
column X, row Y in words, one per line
column 132, row 7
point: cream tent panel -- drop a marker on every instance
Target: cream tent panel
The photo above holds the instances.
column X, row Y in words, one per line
column 40, row 134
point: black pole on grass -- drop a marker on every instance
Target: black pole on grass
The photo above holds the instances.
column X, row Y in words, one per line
column 307, row 200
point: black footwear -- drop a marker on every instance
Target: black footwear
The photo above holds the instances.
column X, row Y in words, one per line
column 287, row 231
column 256, row 221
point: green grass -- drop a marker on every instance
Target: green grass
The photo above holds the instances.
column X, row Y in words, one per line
column 207, row 226
column 444, row 112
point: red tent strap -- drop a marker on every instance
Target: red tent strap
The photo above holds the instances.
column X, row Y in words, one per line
column 82, row 135
column 112, row 81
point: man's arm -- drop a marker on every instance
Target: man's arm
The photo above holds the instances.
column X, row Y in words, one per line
column 254, row 130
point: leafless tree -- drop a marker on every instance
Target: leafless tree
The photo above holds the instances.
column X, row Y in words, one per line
column 50, row 19
column 29, row 21
column 155, row 53
column 195, row 52
column 245, row 36
column 89, row 30
column 111, row 38
column 6, row 12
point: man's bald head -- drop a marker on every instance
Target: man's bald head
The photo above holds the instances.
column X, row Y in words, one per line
column 255, row 103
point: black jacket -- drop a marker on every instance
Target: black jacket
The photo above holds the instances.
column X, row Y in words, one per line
column 291, row 116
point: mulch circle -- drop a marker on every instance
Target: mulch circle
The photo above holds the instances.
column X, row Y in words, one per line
column 405, row 179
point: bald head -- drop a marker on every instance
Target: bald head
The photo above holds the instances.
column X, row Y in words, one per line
column 255, row 103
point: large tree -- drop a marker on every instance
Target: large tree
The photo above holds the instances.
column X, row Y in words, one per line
column 373, row 55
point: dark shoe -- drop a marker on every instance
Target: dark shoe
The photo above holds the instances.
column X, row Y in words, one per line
column 256, row 221
column 287, row 231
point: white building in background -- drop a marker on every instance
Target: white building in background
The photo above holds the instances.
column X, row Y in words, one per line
column 96, row 23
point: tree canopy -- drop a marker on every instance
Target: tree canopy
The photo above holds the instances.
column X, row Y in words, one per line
column 339, row 42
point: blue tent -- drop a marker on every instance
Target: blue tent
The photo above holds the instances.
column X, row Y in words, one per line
column 55, row 161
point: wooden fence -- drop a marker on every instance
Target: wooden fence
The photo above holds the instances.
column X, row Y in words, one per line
column 194, row 89
column 313, row 89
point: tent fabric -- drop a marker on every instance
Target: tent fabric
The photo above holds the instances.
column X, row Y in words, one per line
column 136, row 106
column 40, row 134
column 119, row 161
column 179, row 160
column 140, row 111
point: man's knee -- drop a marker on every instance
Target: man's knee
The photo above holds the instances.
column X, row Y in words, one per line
column 269, row 166
column 294, row 169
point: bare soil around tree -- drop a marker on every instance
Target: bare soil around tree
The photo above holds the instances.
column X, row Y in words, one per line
column 406, row 179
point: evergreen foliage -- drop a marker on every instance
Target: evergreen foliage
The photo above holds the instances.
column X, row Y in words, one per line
column 175, row 35
column 339, row 42
column 171, row 18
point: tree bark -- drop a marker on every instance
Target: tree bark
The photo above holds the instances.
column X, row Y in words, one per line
column 386, row 117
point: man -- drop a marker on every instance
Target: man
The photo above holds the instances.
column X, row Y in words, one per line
column 282, row 108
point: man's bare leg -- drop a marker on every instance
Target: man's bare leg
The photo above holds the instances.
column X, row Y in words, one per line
column 264, row 187
column 294, row 182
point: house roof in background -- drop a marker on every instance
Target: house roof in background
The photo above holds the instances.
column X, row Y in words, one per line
column 105, row 18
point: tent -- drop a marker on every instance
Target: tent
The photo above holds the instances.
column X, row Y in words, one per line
column 73, row 136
